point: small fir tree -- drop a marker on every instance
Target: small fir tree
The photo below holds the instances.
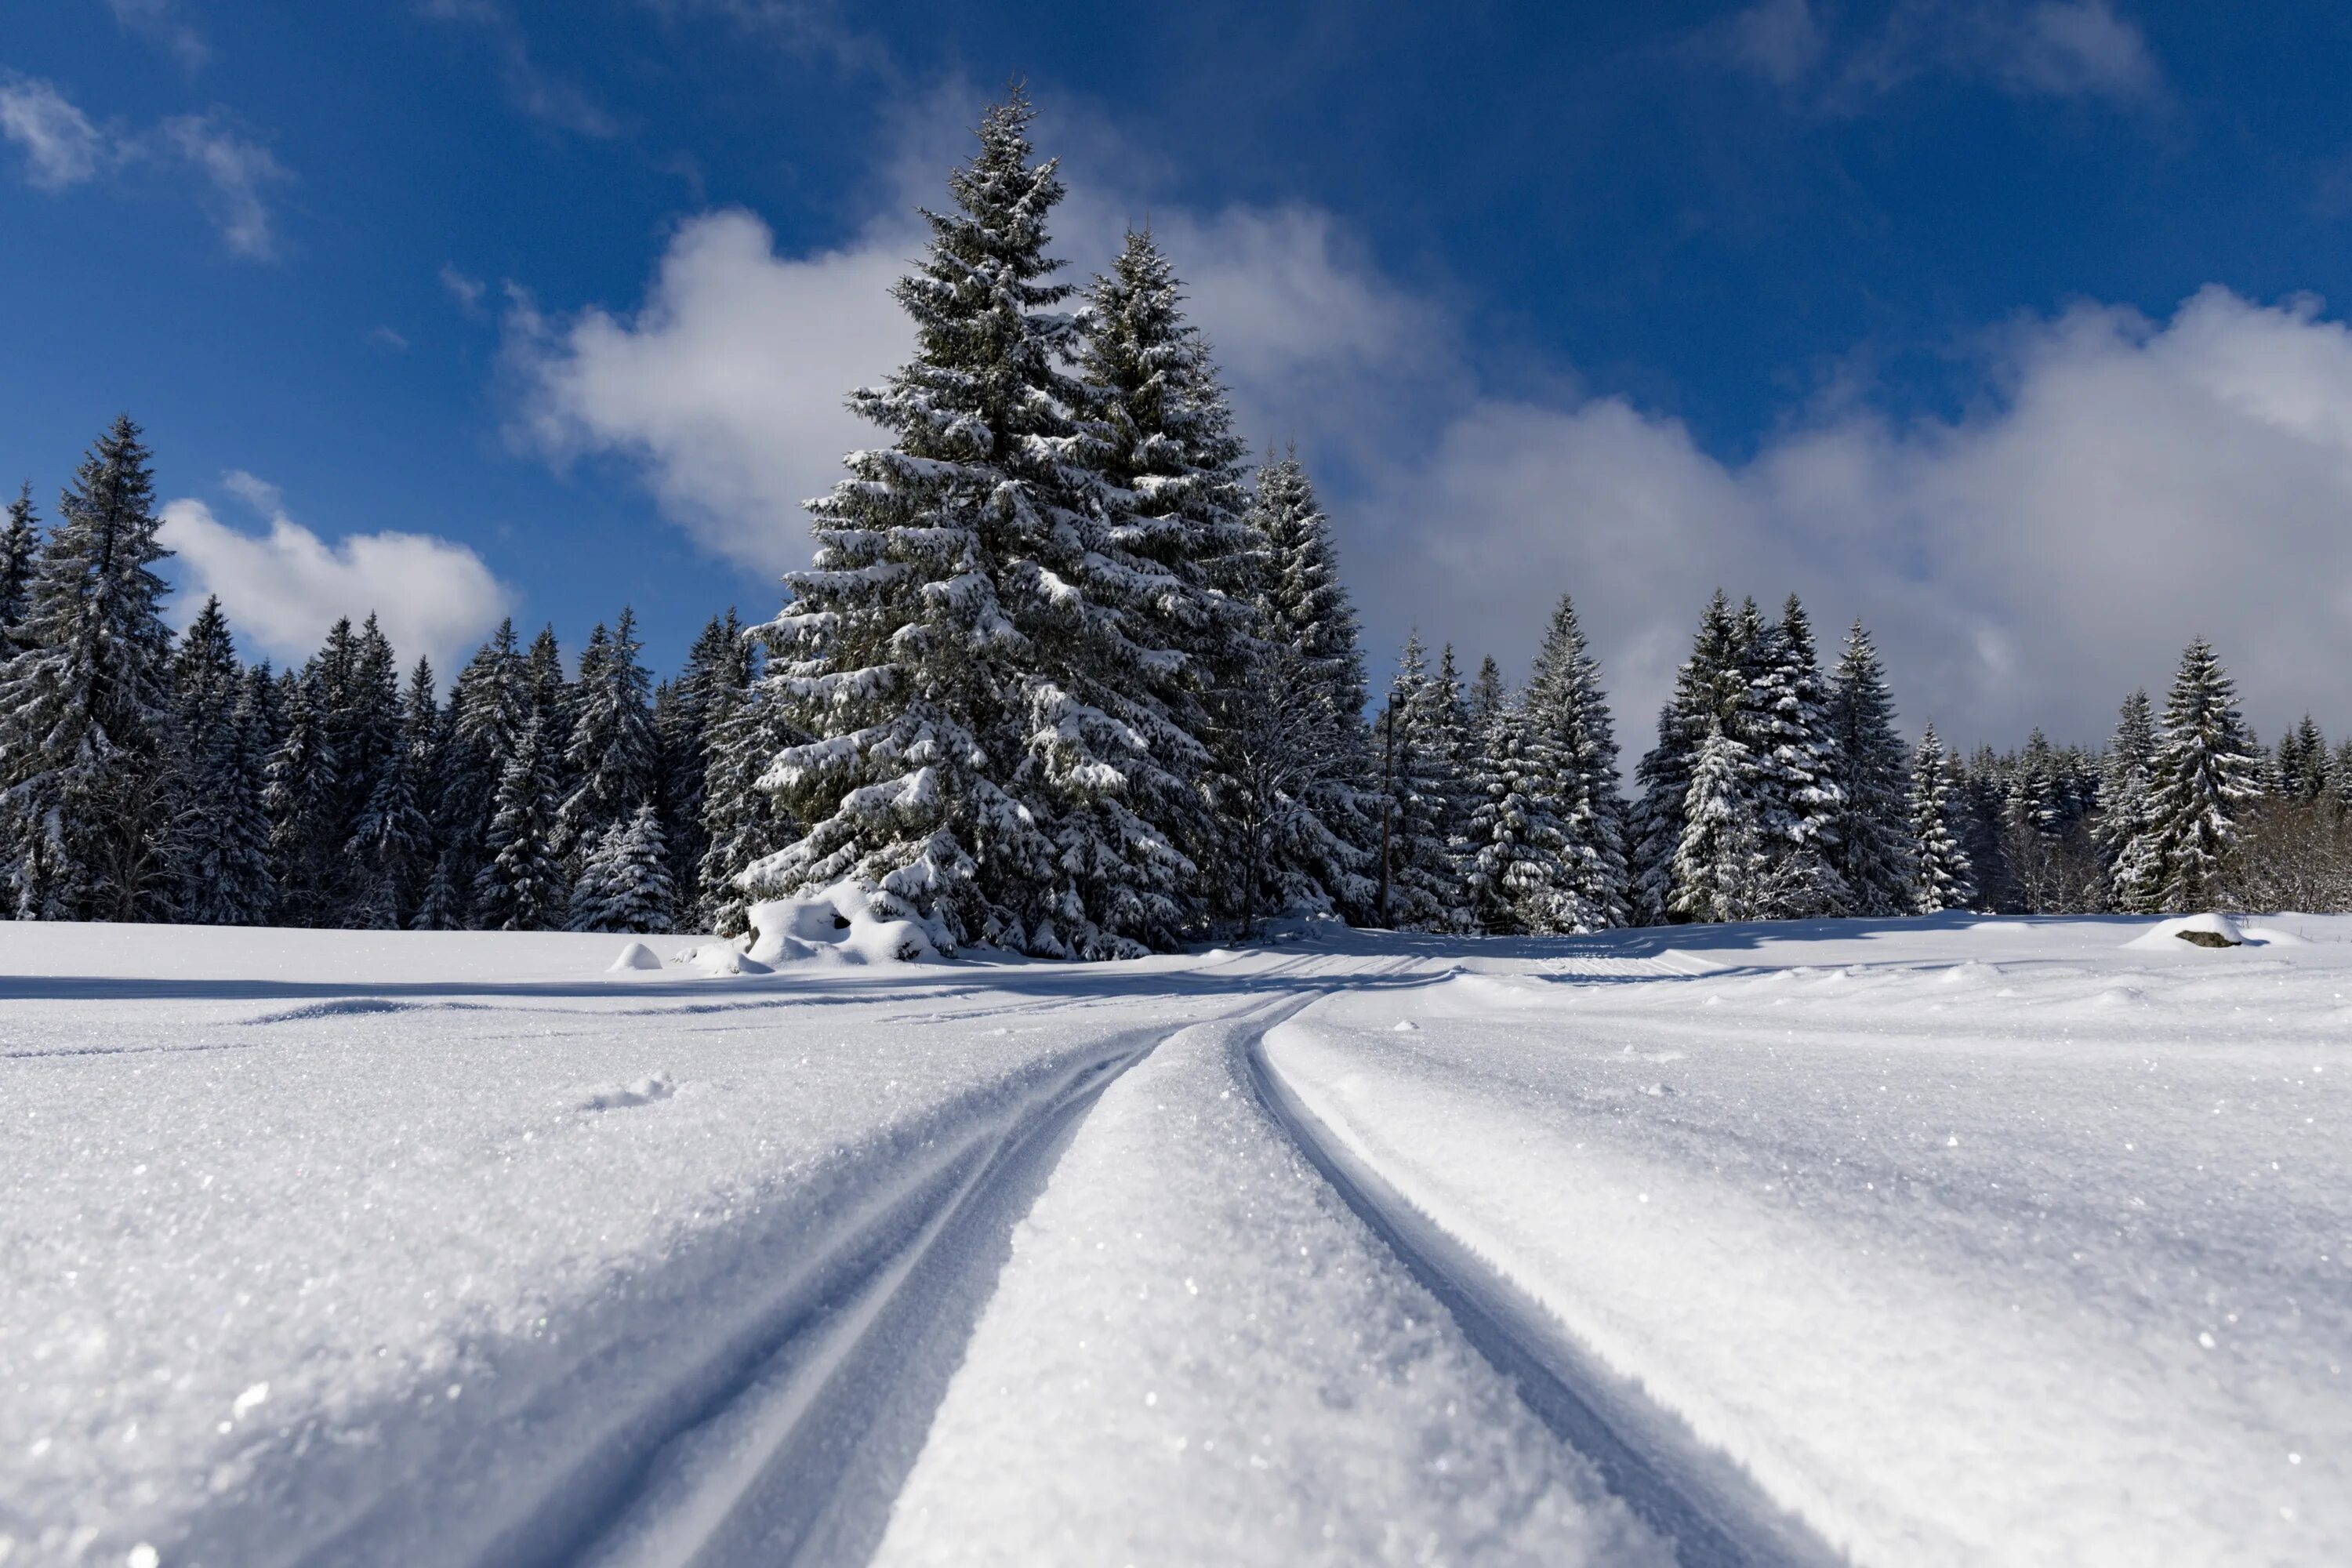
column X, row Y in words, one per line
column 1939, row 865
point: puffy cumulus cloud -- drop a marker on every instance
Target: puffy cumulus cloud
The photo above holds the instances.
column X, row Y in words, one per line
column 727, row 384
column 2132, row 484
column 284, row 588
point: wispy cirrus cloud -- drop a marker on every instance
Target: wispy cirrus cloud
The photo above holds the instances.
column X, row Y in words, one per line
column 536, row 93
column 2038, row 49
column 60, row 146
column 162, row 23
column 234, row 172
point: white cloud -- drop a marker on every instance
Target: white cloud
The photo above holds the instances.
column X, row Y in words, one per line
column 61, row 147
column 235, row 170
column 160, row 22
column 283, row 589
column 2124, row 485
column 466, row 291
column 2137, row 483
column 388, row 338
column 727, row 384
column 2054, row 48
column 532, row 89
column 1777, row 39
column 257, row 493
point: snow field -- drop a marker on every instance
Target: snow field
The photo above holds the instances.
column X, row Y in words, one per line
column 2010, row 1241
column 2036, row 1257
column 1196, row 1354
column 371, row 1278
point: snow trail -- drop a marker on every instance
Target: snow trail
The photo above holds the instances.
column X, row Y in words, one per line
column 1711, row 1513
column 1197, row 1354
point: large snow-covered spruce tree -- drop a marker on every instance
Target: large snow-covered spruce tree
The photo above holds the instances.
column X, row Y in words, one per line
column 2206, row 770
column 923, row 647
column 85, row 703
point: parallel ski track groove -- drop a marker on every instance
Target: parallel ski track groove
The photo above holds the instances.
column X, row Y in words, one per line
column 1723, row 1520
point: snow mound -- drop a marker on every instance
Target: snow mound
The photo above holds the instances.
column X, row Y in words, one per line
column 636, row 955
column 839, row 925
column 720, row 958
column 2212, row 931
column 639, row 1091
column 1495, row 991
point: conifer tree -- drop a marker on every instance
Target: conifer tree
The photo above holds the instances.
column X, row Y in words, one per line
column 302, row 796
column 20, row 543
column 2206, row 768
column 1322, row 857
column 2303, row 765
column 922, row 647
column 718, row 661
column 1870, row 846
column 1428, row 831
column 84, row 702
column 1939, row 865
column 1571, row 748
column 1709, row 689
column 1517, row 855
column 217, row 845
column 612, row 756
column 2126, row 847
column 624, row 884
column 1170, row 505
column 1783, row 721
column 488, row 710
column 2339, row 772
column 522, row 886
column 1485, row 699
column 1721, row 860
column 744, row 824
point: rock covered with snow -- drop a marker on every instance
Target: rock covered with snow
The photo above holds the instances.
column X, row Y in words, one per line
column 636, row 955
column 2213, row 929
column 838, row 924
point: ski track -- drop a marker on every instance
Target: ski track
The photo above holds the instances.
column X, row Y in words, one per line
column 1711, row 1513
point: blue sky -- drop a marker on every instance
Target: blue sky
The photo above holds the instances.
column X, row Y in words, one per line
column 2003, row 325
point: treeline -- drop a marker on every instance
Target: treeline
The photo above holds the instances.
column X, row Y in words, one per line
column 1063, row 677
column 149, row 778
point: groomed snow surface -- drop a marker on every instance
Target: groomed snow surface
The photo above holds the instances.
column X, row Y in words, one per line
column 1928, row 1242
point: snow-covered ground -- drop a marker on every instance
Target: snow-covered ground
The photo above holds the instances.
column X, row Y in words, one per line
column 1900, row 1243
